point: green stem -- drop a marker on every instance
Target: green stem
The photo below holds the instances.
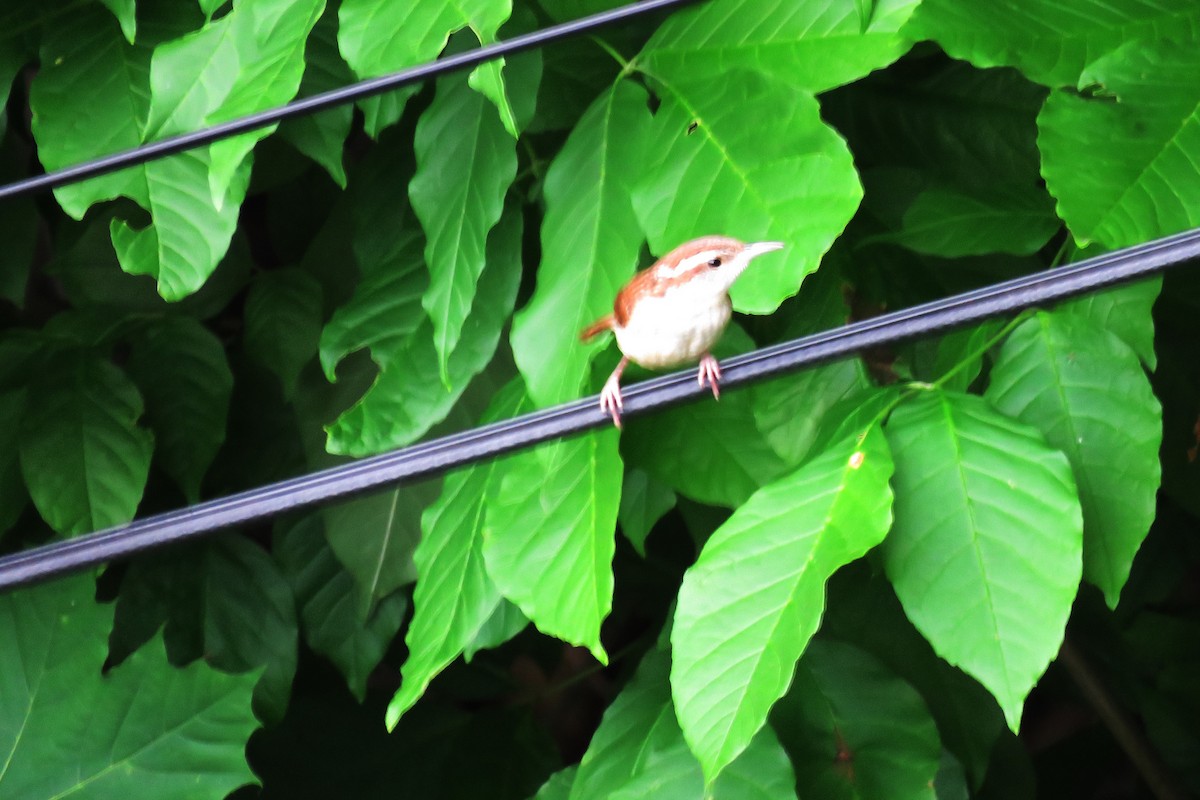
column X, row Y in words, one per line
column 626, row 64
column 979, row 351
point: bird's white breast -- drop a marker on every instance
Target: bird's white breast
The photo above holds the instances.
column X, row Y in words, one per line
column 676, row 328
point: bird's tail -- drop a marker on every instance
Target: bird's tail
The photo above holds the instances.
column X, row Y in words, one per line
column 601, row 325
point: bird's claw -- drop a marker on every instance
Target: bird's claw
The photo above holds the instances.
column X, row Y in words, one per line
column 710, row 370
column 610, row 400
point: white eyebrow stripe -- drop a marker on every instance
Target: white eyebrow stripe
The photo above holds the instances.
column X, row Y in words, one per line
column 691, row 262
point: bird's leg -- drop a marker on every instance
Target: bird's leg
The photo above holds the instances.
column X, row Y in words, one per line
column 710, row 370
column 610, row 395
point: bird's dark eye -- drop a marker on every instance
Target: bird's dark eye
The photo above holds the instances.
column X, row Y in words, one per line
column 716, row 262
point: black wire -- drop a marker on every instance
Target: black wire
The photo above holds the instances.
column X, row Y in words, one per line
column 460, row 449
column 335, row 97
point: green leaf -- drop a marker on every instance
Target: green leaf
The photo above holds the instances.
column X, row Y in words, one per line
column 248, row 60
column 374, row 539
column 84, row 55
column 70, row 729
column 985, row 554
column 225, row 602
column 638, row 751
column 558, row 785
column 863, row 610
column 322, row 136
column 182, row 372
column 548, row 535
column 1084, row 389
column 946, row 222
column 505, row 623
column 189, row 234
column 754, row 598
column 408, row 398
column 83, row 455
column 270, row 38
column 283, row 323
column 644, row 500
column 1147, row 139
column 590, row 243
column 747, row 156
column 984, row 124
column 727, row 458
column 814, row 46
column 454, row 597
column 123, row 10
column 379, row 36
column 1051, row 42
column 465, row 164
column 1124, row 311
column 856, row 730
column 332, row 622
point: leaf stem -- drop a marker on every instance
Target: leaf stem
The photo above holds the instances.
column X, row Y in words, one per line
column 626, row 64
column 1158, row 778
column 983, row 348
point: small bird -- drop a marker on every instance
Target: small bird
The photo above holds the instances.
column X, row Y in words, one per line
column 674, row 312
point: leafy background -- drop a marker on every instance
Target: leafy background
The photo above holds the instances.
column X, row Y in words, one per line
column 961, row 567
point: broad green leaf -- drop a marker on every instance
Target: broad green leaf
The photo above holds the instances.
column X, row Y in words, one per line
column 854, row 729
column 754, row 597
column 505, row 622
column 374, row 539
column 69, row 729
column 957, row 126
column 1085, row 390
column 283, row 323
column 1051, row 42
column 639, row 752
column 380, row 36
column 748, row 156
column 189, row 234
column 788, row 410
column 946, row 222
column 548, row 535
column 84, row 457
column 1125, row 311
column 383, row 316
column 1144, row 126
column 225, row 602
column 123, row 10
column 814, row 46
column 182, row 372
column 13, row 496
column 863, row 610
column 332, row 623
column 454, row 597
column 726, row 457
column 985, row 553
column 83, row 56
column 465, row 164
column 590, row 243
column 322, row 136
column 248, row 60
column 408, row 397
column 558, row 785
column 644, row 500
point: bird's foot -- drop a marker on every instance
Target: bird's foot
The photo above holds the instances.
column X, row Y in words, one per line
column 710, row 371
column 610, row 395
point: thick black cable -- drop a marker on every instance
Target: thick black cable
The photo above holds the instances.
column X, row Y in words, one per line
column 460, row 449
column 335, row 97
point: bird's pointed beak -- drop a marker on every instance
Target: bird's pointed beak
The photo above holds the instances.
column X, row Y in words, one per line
column 758, row 248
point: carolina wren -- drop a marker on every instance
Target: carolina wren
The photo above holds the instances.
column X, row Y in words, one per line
column 674, row 312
